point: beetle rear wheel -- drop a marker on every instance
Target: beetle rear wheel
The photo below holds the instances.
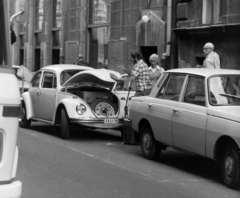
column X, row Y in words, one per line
column 24, row 123
column 150, row 147
column 65, row 131
column 230, row 167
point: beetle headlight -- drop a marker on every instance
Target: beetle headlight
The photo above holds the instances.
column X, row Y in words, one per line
column 81, row 109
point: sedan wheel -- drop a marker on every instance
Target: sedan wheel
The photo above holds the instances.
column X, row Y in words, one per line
column 24, row 123
column 231, row 167
column 64, row 124
column 150, row 147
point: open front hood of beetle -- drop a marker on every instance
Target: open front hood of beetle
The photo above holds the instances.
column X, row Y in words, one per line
column 96, row 78
column 227, row 112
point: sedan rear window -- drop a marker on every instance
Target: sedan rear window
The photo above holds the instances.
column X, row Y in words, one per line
column 224, row 90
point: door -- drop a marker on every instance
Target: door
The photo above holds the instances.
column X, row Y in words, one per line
column 35, row 93
column 190, row 118
column 160, row 109
column 47, row 97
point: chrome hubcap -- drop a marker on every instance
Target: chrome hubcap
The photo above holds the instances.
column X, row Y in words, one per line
column 229, row 165
column 147, row 142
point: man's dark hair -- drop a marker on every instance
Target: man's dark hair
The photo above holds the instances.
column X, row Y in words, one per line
column 136, row 55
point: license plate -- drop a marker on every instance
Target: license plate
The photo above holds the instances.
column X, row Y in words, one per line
column 111, row 121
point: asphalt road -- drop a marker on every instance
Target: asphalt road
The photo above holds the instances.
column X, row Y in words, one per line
column 96, row 165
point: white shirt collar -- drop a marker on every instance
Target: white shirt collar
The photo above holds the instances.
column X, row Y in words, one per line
column 155, row 68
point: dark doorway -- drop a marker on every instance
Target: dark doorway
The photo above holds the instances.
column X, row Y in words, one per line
column 21, row 61
column 55, row 56
column 200, row 60
column 37, row 59
column 147, row 52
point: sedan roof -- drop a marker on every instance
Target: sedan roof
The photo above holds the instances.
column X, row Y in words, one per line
column 205, row 72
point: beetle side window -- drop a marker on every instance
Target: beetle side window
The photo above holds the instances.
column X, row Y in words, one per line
column 172, row 87
column 49, row 80
column 195, row 92
column 36, row 80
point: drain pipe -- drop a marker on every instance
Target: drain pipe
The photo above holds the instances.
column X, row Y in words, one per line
column 166, row 56
column 169, row 27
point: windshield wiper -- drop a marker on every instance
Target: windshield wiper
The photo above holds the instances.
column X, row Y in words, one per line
column 230, row 96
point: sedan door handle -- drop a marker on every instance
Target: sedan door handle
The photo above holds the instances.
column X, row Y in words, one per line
column 151, row 105
column 176, row 110
column 38, row 93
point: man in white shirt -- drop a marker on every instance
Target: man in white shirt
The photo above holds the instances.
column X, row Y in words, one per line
column 212, row 59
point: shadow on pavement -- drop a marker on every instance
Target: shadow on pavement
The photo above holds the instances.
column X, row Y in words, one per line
column 78, row 134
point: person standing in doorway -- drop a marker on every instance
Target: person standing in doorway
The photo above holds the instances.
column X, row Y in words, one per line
column 155, row 69
column 212, row 59
column 140, row 73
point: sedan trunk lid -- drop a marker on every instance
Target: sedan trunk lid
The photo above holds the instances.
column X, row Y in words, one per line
column 226, row 112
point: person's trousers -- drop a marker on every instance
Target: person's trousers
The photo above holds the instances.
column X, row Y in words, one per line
column 143, row 93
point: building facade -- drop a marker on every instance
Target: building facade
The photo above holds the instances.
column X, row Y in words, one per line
column 202, row 21
column 103, row 31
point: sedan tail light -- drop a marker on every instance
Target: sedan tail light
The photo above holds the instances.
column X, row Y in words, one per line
column 12, row 111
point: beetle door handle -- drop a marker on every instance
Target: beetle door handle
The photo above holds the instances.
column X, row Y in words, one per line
column 175, row 110
column 38, row 93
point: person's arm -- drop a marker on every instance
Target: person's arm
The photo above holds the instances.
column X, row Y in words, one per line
column 124, row 69
column 209, row 64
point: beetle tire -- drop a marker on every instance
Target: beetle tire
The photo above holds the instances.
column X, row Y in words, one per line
column 230, row 167
column 151, row 149
column 104, row 107
column 65, row 131
column 24, row 123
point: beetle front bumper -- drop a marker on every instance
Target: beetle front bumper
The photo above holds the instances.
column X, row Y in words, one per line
column 102, row 123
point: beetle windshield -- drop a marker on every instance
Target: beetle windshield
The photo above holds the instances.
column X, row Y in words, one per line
column 65, row 75
column 224, row 90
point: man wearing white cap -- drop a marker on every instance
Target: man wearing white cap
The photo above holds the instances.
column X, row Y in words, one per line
column 212, row 59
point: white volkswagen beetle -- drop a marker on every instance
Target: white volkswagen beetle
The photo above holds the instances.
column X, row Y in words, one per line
column 69, row 95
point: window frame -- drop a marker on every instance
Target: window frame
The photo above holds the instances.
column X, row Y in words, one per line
column 54, row 77
column 40, row 72
column 186, row 87
column 166, row 83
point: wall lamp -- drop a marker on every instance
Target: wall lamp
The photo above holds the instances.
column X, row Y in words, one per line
column 15, row 15
column 146, row 17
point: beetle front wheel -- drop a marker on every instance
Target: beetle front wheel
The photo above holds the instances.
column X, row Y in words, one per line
column 65, row 131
